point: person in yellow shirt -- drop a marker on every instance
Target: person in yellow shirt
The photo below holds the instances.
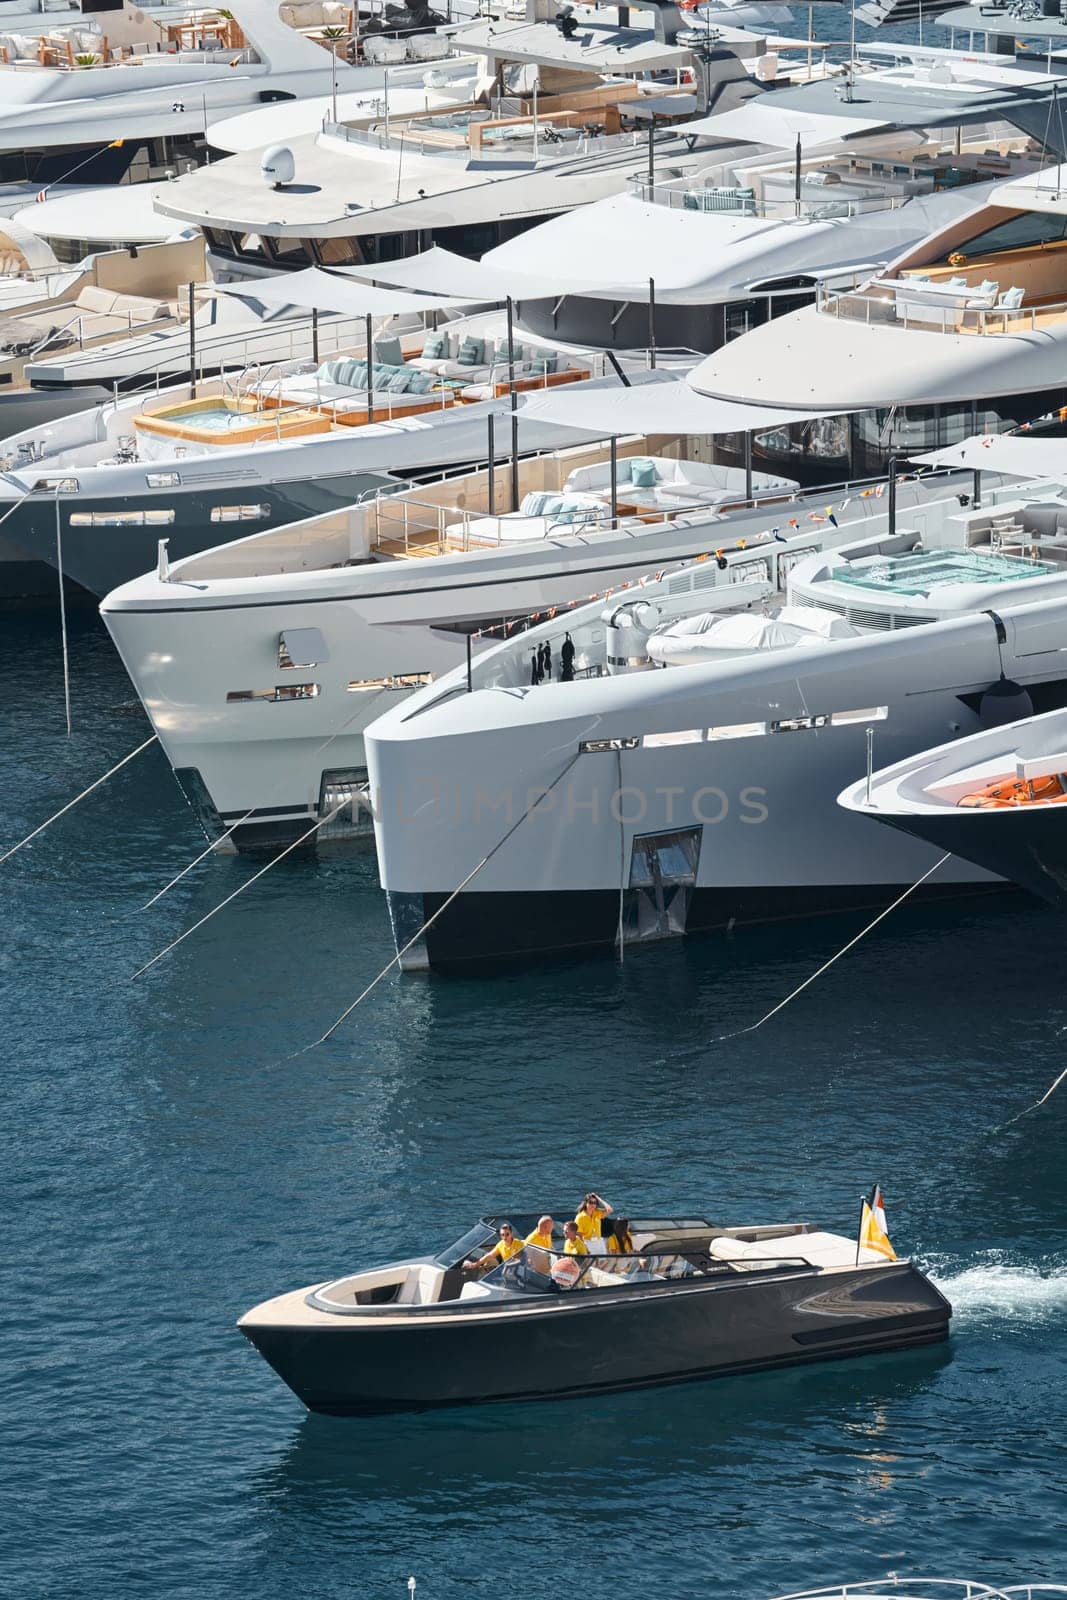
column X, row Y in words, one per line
column 620, row 1240
column 542, row 1234
column 507, row 1247
column 590, row 1212
column 573, row 1243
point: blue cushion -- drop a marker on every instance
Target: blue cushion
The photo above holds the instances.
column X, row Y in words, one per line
column 397, row 384
column 545, row 364
column 350, row 373
column 420, row 383
column 328, row 371
column 471, row 353
column 389, row 351
column 643, row 474
column 435, row 348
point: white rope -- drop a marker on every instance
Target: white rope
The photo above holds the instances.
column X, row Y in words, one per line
column 71, row 803
column 400, row 954
column 1037, row 1103
column 843, row 951
column 273, row 862
column 195, row 862
column 62, row 613
column 336, row 734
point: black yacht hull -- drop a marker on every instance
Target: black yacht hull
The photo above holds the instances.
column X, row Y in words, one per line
column 1027, row 845
column 599, row 1341
column 478, row 932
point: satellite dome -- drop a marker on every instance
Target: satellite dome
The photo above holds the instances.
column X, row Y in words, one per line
column 277, row 165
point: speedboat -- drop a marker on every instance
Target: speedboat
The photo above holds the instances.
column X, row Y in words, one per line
column 687, row 1299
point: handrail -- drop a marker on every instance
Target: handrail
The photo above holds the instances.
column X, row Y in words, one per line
column 887, row 303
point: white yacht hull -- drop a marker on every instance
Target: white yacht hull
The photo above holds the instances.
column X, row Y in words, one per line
column 647, row 839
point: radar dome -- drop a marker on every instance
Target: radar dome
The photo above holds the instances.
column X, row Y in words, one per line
column 277, row 165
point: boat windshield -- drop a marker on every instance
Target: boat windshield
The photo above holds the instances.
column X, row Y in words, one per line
column 475, row 1238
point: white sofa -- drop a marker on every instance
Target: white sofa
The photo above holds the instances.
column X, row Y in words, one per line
column 677, row 483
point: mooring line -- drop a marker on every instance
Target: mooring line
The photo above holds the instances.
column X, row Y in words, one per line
column 1019, row 1115
column 401, row 953
column 740, row 1032
column 273, row 862
column 214, row 843
column 71, row 803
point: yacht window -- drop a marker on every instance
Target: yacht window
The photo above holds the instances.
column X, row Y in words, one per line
column 281, row 691
column 218, row 240
column 162, row 480
column 64, row 485
column 872, row 714
column 301, row 647
column 239, row 513
column 397, row 680
column 1026, row 228
column 338, row 252
column 248, row 244
column 652, row 741
column 121, row 519
column 737, row 730
column 286, row 249
column 595, row 747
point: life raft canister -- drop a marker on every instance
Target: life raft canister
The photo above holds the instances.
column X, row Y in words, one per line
column 565, row 1272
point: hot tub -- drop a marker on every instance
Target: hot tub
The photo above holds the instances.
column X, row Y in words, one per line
column 218, row 420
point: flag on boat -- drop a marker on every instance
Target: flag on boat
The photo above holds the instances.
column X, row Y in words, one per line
column 873, row 1233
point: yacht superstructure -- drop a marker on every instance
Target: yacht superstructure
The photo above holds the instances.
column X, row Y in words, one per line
column 963, row 333
column 560, row 118
column 683, row 798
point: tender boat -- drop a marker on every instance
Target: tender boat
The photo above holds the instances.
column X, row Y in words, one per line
column 689, row 1300
column 997, row 799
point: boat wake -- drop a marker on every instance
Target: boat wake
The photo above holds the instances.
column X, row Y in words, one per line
column 1000, row 1290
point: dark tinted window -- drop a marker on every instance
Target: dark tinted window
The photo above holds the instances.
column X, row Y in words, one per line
column 1026, row 228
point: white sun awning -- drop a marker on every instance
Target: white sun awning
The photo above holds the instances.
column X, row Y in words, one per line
column 315, row 290
column 667, row 406
column 1015, row 453
column 441, row 272
column 760, row 123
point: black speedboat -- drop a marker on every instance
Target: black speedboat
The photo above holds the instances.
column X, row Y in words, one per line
column 687, row 1300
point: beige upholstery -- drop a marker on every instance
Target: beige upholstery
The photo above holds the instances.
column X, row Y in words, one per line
column 821, row 1249
column 421, row 1287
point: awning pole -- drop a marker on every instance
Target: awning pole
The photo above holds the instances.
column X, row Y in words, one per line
column 492, row 468
column 652, row 323
column 192, row 341
column 797, row 179
column 514, row 412
column 748, row 464
column 651, row 155
column 892, row 496
column 977, row 495
column 614, row 479
column 315, row 333
column 370, row 373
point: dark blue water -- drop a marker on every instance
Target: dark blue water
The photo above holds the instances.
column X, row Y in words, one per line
column 164, row 1169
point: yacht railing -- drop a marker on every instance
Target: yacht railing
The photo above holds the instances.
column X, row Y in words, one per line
column 900, row 303
column 724, row 200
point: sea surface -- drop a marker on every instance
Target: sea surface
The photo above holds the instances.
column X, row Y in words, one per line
column 167, row 1163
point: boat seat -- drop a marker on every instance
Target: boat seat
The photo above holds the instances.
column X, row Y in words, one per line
column 821, row 1249
column 421, row 1287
